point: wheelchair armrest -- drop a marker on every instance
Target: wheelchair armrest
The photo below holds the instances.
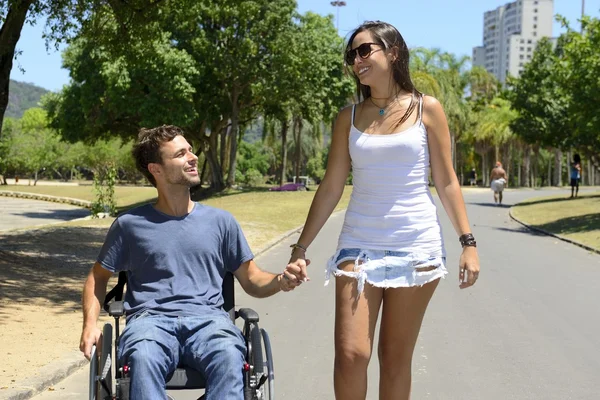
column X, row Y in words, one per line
column 248, row 315
column 116, row 309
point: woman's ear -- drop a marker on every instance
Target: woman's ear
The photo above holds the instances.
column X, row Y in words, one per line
column 393, row 54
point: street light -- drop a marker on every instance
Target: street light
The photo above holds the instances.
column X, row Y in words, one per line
column 338, row 4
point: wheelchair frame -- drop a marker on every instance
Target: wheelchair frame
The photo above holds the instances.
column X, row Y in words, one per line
column 258, row 369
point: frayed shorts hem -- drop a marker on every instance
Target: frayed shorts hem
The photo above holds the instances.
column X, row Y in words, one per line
column 387, row 269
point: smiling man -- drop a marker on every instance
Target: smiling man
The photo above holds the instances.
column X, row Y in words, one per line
column 176, row 253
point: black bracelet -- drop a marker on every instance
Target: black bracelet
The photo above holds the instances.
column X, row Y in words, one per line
column 298, row 246
column 467, row 240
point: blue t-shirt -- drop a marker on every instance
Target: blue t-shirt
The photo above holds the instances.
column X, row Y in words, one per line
column 574, row 172
column 175, row 265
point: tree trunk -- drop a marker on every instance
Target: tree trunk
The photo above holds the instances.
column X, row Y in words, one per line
column 9, row 36
column 549, row 181
column 284, row 131
column 557, row 181
column 508, row 160
column 223, row 147
column 496, row 153
column 526, row 166
column 235, row 119
column 297, row 170
column 484, row 172
column 216, row 175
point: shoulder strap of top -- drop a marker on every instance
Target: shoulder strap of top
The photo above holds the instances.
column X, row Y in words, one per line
column 353, row 111
column 421, row 108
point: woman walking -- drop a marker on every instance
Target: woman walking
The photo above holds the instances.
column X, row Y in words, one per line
column 390, row 251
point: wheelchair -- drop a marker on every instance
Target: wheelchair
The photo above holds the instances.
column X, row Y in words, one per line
column 258, row 368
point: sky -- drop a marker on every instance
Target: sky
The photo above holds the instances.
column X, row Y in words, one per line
column 455, row 26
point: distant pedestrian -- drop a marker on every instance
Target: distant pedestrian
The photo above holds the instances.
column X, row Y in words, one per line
column 575, row 173
column 473, row 177
column 498, row 181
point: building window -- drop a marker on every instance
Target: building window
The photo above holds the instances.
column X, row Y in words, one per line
column 535, row 18
column 535, row 10
column 520, row 64
column 529, row 49
column 521, row 57
column 534, row 26
column 529, row 41
column 534, row 33
column 522, row 48
column 522, row 40
column 529, row 56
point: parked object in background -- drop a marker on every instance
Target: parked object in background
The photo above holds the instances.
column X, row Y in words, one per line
column 289, row 187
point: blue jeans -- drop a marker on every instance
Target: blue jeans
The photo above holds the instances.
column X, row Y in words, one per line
column 154, row 345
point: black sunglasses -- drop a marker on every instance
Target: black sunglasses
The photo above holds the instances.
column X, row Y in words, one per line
column 364, row 51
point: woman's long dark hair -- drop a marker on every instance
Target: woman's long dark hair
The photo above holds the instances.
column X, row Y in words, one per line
column 388, row 37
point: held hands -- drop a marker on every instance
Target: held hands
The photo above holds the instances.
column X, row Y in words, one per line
column 469, row 267
column 294, row 273
column 89, row 337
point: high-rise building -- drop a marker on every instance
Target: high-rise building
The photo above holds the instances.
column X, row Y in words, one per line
column 510, row 34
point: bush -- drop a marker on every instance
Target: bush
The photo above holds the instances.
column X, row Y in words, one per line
column 254, row 177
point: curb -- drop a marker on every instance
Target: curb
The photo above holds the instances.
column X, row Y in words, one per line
column 564, row 239
column 45, row 197
column 46, row 377
column 58, row 370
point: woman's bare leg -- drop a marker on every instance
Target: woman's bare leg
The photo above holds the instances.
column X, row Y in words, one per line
column 355, row 320
column 403, row 312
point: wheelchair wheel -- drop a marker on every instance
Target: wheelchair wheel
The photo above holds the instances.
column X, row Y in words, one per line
column 260, row 358
column 268, row 362
column 93, row 383
column 105, row 367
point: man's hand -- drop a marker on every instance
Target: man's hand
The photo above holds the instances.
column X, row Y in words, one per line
column 89, row 337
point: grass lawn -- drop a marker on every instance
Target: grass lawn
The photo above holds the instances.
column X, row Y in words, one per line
column 126, row 195
column 576, row 219
column 263, row 215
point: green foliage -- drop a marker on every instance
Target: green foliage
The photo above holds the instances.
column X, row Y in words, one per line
column 254, row 156
column 254, row 177
column 558, row 93
column 105, row 180
column 315, row 168
column 539, row 101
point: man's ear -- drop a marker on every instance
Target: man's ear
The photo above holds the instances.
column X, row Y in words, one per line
column 154, row 168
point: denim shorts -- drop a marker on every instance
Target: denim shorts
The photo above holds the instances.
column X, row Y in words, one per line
column 386, row 268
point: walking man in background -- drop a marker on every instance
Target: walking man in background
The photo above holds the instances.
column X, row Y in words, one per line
column 499, row 180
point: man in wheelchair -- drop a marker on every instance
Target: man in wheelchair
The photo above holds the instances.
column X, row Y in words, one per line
column 176, row 253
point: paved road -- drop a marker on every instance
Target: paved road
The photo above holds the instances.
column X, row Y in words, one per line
column 527, row 330
column 24, row 213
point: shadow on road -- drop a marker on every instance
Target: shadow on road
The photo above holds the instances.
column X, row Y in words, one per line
column 558, row 200
column 58, row 214
column 47, row 265
column 493, row 205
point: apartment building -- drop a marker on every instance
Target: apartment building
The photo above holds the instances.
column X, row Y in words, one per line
column 510, row 34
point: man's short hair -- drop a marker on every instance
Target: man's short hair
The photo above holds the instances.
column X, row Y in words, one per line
column 146, row 149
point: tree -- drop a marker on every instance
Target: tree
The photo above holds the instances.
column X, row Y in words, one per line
column 206, row 68
column 64, row 19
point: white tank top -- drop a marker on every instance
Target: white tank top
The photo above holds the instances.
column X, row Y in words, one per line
column 391, row 207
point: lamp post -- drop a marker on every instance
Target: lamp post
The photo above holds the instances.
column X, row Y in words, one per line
column 337, row 5
column 582, row 12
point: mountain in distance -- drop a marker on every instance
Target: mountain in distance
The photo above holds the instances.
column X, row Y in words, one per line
column 23, row 96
